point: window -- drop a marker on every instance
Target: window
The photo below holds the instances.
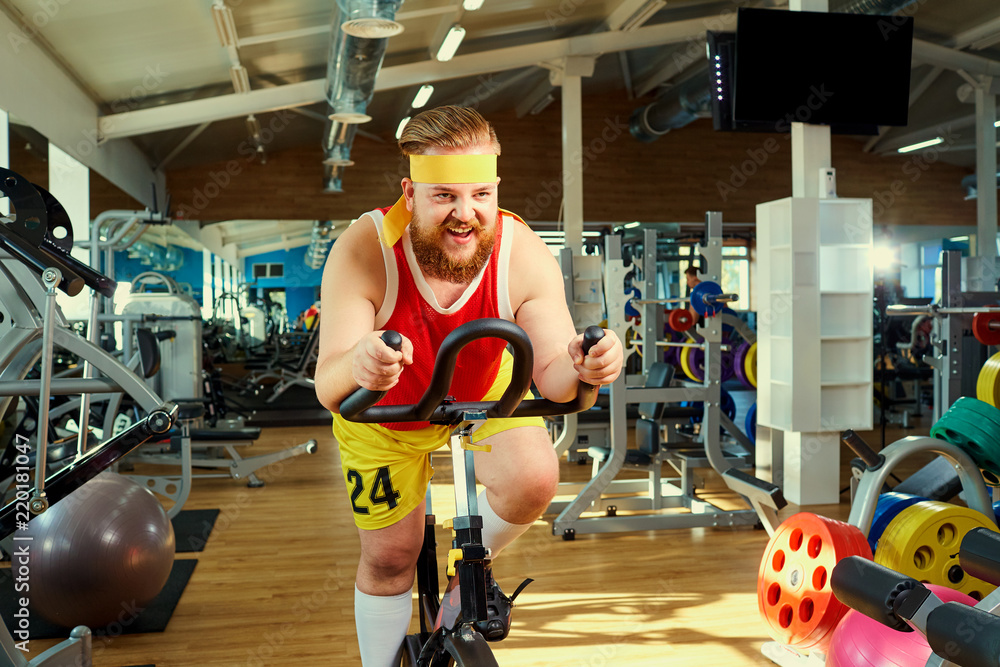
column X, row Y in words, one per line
column 272, row 270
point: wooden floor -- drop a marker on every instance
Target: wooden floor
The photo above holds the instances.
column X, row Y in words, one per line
column 275, row 583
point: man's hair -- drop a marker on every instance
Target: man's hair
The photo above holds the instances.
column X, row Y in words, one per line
column 447, row 127
column 692, row 271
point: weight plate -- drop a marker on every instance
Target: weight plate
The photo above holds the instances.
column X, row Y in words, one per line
column 750, row 425
column 680, row 319
column 698, row 294
column 987, row 389
column 739, row 363
column 974, row 427
column 923, row 542
column 888, row 506
column 750, row 365
column 692, row 363
column 793, row 584
column 982, row 330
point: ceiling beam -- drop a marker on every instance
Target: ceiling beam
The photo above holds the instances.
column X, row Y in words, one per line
column 982, row 36
column 37, row 91
column 947, row 130
column 183, row 114
column 942, row 56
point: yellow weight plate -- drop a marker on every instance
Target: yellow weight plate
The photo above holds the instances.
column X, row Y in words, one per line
column 923, row 542
column 750, row 364
column 686, row 355
column 986, row 383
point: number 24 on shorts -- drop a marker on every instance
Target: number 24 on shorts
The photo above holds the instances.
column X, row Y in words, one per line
column 380, row 492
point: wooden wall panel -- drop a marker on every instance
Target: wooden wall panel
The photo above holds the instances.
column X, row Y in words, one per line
column 676, row 178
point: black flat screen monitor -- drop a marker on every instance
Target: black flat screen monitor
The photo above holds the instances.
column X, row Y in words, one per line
column 821, row 68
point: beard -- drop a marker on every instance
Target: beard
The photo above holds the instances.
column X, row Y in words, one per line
column 436, row 262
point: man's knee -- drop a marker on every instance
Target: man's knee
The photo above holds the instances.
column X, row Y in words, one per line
column 538, row 485
column 390, row 563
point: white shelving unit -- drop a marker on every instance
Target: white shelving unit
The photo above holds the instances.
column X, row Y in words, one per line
column 814, row 363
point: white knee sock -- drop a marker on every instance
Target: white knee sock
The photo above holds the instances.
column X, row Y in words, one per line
column 382, row 623
column 497, row 533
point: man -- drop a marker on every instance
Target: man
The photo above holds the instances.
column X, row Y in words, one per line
column 691, row 274
column 442, row 255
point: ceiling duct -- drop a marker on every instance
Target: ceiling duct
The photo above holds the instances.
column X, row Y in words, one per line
column 319, row 244
column 690, row 100
column 361, row 31
column 970, row 183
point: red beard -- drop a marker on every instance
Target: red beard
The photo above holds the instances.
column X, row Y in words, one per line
column 428, row 248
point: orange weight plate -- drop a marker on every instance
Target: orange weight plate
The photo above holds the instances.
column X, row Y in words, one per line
column 793, row 585
column 982, row 330
column 680, row 320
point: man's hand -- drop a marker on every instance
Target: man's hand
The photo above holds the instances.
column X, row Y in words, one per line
column 604, row 362
column 376, row 365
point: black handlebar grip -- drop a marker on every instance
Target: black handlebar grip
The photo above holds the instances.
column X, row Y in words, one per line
column 862, row 449
column 591, row 335
column 392, row 339
column 964, row 635
column 871, row 589
column 362, row 399
column 980, row 555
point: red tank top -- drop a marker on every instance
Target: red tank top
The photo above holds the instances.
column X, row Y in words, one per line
column 427, row 327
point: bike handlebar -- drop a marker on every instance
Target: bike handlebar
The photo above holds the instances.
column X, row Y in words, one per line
column 433, row 406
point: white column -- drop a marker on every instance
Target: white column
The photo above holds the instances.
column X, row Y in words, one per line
column 569, row 76
column 810, row 143
column 986, row 170
column 69, row 182
column 572, row 173
column 208, row 288
column 808, row 461
column 4, row 155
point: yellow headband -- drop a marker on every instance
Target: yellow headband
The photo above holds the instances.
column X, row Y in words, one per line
column 453, row 168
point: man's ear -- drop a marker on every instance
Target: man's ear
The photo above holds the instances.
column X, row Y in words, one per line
column 409, row 188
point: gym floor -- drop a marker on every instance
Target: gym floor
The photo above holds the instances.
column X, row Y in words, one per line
column 274, row 584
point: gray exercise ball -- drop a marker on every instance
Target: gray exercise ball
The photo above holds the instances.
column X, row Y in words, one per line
column 100, row 555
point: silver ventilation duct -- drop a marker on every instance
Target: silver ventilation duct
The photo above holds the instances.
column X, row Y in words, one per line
column 361, row 31
column 690, row 100
column 319, row 244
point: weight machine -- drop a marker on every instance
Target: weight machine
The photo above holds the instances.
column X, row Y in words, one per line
column 603, row 493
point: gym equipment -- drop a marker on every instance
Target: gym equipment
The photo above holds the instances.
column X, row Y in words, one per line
column 298, row 371
column 922, row 542
column 707, row 298
column 793, row 591
column 604, row 493
column 32, row 267
column 860, row 641
column 692, row 361
column 466, row 643
column 888, row 506
column 958, row 634
column 739, row 363
column 988, row 382
column 750, row 365
column 817, row 632
column 750, row 425
column 680, row 320
column 975, row 427
column 109, row 546
column 728, row 406
column 986, row 327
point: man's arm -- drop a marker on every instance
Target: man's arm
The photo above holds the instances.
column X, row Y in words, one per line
column 537, row 294
column 351, row 355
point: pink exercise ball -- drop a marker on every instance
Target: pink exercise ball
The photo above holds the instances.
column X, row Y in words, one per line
column 859, row 640
column 101, row 554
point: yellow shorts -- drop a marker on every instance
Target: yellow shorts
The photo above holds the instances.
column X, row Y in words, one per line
column 387, row 471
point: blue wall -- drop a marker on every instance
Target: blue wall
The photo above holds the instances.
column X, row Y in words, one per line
column 300, row 282
column 191, row 271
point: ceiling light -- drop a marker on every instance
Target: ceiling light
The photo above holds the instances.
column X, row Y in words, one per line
column 422, row 96
column 472, row 5
column 402, row 125
column 631, row 225
column 450, row 43
column 996, row 124
column 923, row 144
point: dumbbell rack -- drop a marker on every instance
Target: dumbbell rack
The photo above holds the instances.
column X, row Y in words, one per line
column 671, row 493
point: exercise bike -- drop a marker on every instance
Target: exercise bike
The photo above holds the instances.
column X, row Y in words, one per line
column 465, row 644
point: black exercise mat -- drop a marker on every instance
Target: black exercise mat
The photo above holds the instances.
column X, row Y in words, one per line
column 192, row 528
column 153, row 619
